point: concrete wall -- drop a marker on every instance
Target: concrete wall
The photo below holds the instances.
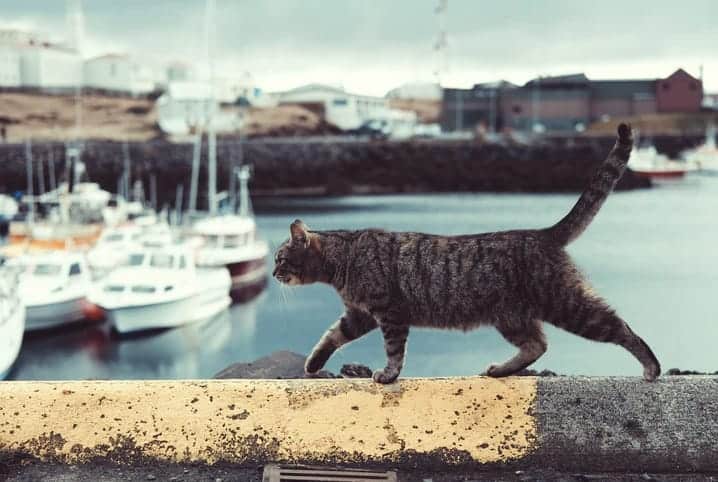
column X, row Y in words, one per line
column 564, row 423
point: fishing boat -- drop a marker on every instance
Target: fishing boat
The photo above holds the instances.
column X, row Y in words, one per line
column 225, row 239
column 116, row 243
column 160, row 287
column 647, row 162
column 231, row 240
column 12, row 320
column 705, row 156
column 53, row 287
column 111, row 248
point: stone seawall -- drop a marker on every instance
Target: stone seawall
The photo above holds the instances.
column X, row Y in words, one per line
column 318, row 166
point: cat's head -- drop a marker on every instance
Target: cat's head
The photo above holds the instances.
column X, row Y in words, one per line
column 298, row 260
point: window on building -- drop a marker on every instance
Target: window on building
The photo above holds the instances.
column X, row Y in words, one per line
column 516, row 109
column 75, row 269
column 113, row 70
column 666, row 86
column 693, row 86
column 339, row 102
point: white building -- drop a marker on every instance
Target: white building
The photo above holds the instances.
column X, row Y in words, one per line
column 345, row 110
column 26, row 60
column 117, row 72
column 9, row 66
column 186, row 106
column 50, row 67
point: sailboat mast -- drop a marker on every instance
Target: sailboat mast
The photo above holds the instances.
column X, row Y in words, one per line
column 194, row 181
column 30, row 176
column 126, row 171
column 211, row 134
column 245, row 206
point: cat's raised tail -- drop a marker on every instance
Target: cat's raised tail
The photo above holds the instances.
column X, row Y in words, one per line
column 602, row 183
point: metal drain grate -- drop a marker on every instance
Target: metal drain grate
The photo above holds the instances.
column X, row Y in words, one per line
column 286, row 473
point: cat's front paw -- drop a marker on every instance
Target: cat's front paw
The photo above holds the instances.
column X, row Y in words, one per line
column 385, row 376
column 494, row 370
column 316, row 361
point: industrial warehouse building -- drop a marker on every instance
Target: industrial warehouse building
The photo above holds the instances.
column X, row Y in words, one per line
column 566, row 103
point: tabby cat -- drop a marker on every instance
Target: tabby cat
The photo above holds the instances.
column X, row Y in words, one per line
column 512, row 280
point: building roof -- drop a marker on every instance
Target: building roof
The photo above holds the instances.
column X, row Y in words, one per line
column 682, row 73
column 559, row 80
column 109, row 56
column 605, row 89
column 315, row 86
column 501, row 84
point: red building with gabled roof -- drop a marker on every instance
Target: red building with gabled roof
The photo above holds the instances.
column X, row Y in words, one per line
column 679, row 92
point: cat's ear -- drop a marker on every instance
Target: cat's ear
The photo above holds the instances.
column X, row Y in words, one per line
column 300, row 233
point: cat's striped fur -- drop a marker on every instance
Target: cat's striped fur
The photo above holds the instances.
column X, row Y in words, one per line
column 513, row 280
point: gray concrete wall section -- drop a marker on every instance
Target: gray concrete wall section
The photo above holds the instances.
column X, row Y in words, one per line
column 627, row 425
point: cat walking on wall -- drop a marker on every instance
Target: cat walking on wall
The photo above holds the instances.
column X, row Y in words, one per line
column 512, row 280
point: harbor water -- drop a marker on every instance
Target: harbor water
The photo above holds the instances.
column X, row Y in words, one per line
column 651, row 253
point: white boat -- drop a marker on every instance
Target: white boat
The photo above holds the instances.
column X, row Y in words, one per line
column 12, row 320
column 115, row 244
column 647, row 162
column 112, row 248
column 161, row 288
column 54, row 287
column 231, row 240
column 705, row 156
column 8, row 207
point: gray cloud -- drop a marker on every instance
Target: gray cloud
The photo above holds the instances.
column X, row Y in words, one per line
column 370, row 45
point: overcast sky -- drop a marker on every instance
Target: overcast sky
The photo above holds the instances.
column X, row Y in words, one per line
column 370, row 46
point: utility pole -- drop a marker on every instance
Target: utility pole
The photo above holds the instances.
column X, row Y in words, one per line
column 441, row 43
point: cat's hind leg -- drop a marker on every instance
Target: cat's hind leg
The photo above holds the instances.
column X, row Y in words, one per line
column 590, row 317
column 352, row 325
column 531, row 342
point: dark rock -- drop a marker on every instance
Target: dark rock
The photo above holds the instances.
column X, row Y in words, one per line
column 355, row 370
column 678, row 371
column 278, row 365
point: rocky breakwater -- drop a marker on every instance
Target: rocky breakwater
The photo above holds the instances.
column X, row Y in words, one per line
column 326, row 167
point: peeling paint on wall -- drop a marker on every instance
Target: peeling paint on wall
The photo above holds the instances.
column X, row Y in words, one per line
column 448, row 421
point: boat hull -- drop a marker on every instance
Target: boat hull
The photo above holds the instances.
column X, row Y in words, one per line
column 677, row 174
column 53, row 315
column 11, row 333
column 209, row 299
column 247, row 274
column 170, row 314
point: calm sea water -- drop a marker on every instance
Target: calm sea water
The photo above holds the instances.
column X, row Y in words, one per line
column 653, row 254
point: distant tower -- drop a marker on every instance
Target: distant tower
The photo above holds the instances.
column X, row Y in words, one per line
column 441, row 44
column 75, row 24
